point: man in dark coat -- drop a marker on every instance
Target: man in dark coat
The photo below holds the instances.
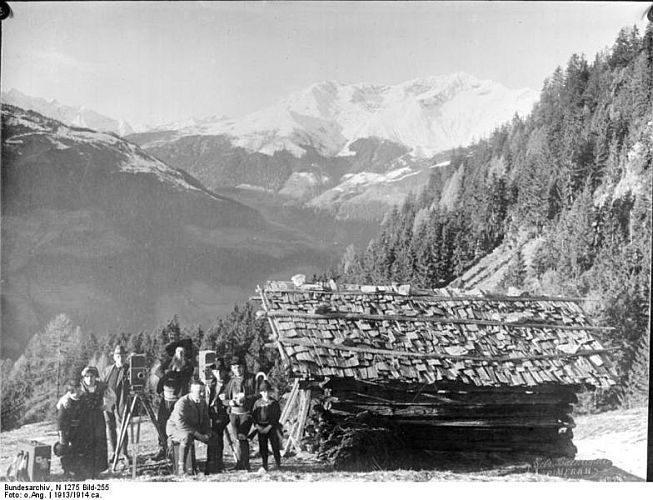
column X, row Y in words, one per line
column 173, row 384
column 218, row 405
column 71, row 447
column 240, row 393
column 189, row 421
column 116, row 399
column 265, row 415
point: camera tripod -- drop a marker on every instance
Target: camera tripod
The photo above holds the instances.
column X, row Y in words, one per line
column 137, row 395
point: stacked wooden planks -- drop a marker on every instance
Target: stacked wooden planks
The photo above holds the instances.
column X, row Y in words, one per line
column 436, row 336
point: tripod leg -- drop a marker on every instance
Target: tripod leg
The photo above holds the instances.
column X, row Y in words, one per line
column 150, row 412
column 135, row 442
column 126, row 418
column 231, row 444
column 138, row 430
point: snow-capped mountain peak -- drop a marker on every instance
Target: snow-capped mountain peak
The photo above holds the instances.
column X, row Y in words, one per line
column 427, row 115
column 77, row 116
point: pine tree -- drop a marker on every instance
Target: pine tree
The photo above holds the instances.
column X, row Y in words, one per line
column 625, row 47
column 636, row 390
column 516, row 273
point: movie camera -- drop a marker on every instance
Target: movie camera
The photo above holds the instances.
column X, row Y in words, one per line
column 206, row 359
column 137, row 372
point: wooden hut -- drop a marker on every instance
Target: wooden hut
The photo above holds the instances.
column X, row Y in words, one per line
column 453, row 370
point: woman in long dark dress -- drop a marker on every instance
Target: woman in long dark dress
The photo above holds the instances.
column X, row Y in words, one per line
column 92, row 425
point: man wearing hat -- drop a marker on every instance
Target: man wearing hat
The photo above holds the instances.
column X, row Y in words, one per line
column 173, row 383
column 71, row 445
column 116, row 399
column 217, row 402
column 240, row 394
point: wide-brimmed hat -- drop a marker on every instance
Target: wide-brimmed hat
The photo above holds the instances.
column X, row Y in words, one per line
column 186, row 343
column 236, row 360
column 218, row 364
column 90, row 370
column 120, row 350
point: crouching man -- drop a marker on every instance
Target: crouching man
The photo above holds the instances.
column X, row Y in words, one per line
column 189, row 421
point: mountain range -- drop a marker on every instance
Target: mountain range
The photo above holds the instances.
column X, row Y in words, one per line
column 350, row 150
column 94, row 227
column 124, row 232
column 426, row 115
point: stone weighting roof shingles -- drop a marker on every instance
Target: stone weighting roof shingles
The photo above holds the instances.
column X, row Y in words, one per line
column 426, row 336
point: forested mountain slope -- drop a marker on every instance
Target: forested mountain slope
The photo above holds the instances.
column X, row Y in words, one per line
column 562, row 198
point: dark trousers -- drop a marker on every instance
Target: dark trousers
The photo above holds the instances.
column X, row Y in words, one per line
column 240, row 424
column 215, row 447
column 165, row 410
column 273, row 438
column 113, row 422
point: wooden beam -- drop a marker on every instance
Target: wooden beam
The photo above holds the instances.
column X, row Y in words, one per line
column 306, row 394
column 425, row 355
column 284, row 355
column 289, row 403
column 415, row 293
column 432, row 319
column 444, row 388
column 460, row 411
column 486, row 424
column 297, row 431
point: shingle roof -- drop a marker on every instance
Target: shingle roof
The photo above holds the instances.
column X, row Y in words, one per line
column 425, row 336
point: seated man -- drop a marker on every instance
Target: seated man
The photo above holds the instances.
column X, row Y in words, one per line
column 189, row 421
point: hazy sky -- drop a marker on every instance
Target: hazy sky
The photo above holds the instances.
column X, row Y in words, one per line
column 164, row 61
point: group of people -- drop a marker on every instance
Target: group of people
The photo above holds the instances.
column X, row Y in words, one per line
column 221, row 404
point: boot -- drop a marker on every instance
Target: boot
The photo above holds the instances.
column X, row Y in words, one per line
column 238, row 452
column 181, row 459
column 264, row 459
column 244, row 454
column 112, row 450
column 211, row 461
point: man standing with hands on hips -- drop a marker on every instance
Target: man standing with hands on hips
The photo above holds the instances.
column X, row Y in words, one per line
column 116, row 399
column 218, row 413
column 240, row 394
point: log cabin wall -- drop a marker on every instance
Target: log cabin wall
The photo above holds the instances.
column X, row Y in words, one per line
column 464, row 418
column 447, row 369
